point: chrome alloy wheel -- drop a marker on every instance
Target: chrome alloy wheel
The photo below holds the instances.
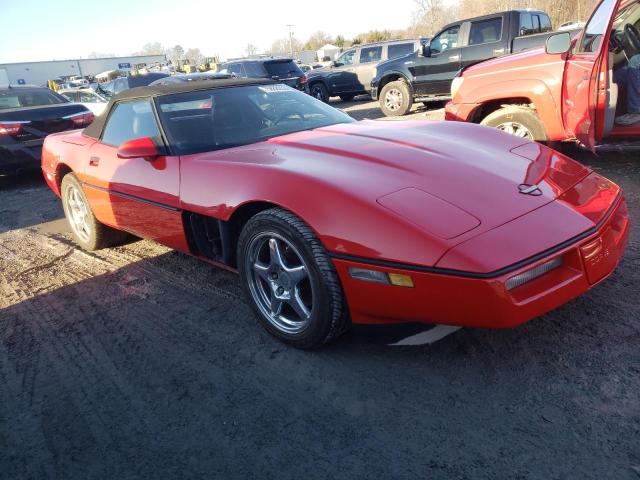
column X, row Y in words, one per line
column 78, row 213
column 393, row 99
column 517, row 129
column 279, row 282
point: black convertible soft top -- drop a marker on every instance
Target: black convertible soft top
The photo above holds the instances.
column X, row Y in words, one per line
column 95, row 129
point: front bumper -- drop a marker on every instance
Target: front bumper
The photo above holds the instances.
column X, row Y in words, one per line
column 20, row 157
column 460, row 112
column 448, row 299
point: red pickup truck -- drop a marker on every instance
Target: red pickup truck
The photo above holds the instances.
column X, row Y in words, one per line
column 565, row 92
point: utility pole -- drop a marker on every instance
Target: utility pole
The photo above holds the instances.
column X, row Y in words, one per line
column 290, row 27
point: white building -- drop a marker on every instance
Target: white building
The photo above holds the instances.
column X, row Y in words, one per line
column 37, row 73
column 328, row 50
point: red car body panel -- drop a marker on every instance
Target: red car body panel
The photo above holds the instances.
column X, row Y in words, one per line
column 568, row 91
column 349, row 183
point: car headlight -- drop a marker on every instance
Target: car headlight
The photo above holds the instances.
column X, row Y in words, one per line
column 456, row 84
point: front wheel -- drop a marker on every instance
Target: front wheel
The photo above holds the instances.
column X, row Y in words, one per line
column 521, row 122
column 290, row 280
column 319, row 91
column 395, row 99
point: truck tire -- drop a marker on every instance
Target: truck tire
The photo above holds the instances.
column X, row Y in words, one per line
column 319, row 91
column 519, row 121
column 395, row 99
column 87, row 231
column 290, row 280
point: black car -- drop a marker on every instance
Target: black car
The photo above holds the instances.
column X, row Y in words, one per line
column 427, row 74
column 191, row 77
column 351, row 73
column 27, row 115
column 124, row 83
column 284, row 70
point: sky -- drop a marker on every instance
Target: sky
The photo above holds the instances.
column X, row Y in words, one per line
column 35, row 30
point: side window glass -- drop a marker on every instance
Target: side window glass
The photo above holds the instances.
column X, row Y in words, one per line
column 86, row 97
column 536, row 23
column 400, row 49
column 545, row 24
column 237, row 69
column 486, row 31
column 346, row 58
column 130, row 120
column 526, row 25
column 446, row 40
column 370, row 54
column 597, row 27
column 71, row 96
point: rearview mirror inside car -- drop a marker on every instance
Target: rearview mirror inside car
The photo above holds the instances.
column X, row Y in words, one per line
column 559, row 43
column 139, row 148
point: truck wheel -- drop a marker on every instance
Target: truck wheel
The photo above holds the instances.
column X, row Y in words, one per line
column 347, row 98
column 319, row 91
column 521, row 122
column 87, row 231
column 395, row 99
column 290, row 280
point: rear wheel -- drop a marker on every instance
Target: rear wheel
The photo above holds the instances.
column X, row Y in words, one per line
column 87, row 231
column 521, row 122
column 319, row 91
column 395, row 99
column 290, row 280
column 347, row 98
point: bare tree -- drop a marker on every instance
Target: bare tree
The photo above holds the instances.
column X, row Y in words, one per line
column 251, row 50
column 194, row 55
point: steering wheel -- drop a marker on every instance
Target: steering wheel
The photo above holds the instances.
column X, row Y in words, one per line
column 632, row 35
column 287, row 114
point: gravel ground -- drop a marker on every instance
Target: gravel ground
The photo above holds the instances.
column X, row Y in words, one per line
column 139, row 362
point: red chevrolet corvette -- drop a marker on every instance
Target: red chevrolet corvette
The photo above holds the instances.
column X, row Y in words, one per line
column 330, row 221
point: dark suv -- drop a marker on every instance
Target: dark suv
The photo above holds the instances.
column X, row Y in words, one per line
column 118, row 85
column 284, row 70
column 351, row 73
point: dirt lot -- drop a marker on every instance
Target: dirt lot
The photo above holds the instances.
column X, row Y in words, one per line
column 138, row 362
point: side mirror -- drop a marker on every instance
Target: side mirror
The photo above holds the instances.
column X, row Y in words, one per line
column 139, row 148
column 558, row 43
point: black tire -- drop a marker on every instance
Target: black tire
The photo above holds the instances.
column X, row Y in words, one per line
column 395, row 99
column 329, row 316
column 347, row 98
column 99, row 235
column 319, row 91
column 517, row 119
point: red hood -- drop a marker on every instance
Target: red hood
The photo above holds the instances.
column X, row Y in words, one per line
column 477, row 169
column 526, row 58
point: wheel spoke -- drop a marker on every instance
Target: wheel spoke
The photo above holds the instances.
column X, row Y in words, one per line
column 276, row 305
column 274, row 251
column 299, row 307
column 262, row 270
column 297, row 274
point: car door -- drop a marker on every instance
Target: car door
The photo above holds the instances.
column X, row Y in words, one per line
column 366, row 67
column 342, row 78
column 138, row 195
column 433, row 74
column 484, row 40
column 586, row 83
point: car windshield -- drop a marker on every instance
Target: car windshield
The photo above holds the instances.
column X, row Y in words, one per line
column 21, row 98
column 282, row 69
column 228, row 117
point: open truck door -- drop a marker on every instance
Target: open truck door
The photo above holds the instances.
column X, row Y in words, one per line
column 589, row 96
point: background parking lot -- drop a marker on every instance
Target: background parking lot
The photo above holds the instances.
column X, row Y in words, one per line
column 140, row 362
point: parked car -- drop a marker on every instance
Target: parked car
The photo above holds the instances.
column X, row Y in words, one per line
column 27, row 115
column 87, row 97
column 191, row 77
column 330, row 221
column 284, row 70
column 351, row 73
column 565, row 92
column 121, row 84
column 426, row 75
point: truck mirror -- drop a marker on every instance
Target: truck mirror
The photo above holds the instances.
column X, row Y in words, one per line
column 558, row 43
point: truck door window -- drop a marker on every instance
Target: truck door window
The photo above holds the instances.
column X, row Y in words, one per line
column 597, row 27
column 486, row 31
column 370, row 54
column 526, row 24
column 445, row 41
column 545, row 24
column 346, row 58
column 400, row 49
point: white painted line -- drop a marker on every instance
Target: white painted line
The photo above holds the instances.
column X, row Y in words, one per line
column 430, row 336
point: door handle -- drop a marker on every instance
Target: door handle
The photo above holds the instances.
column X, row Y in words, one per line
column 94, row 161
column 454, row 58
column 498, row 51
